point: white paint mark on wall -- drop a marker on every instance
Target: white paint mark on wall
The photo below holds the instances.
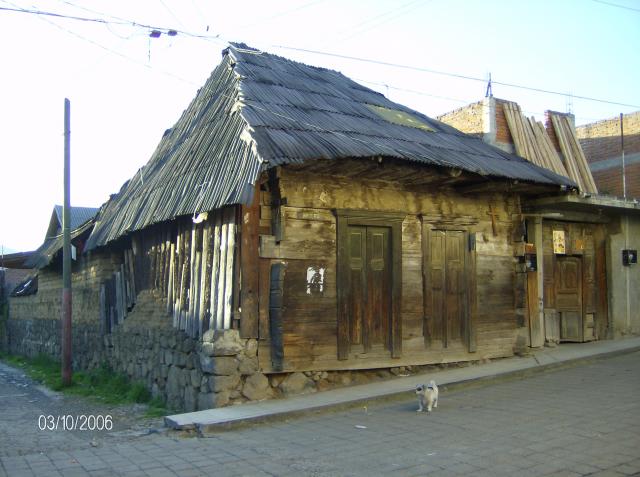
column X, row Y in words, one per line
column 315, row 280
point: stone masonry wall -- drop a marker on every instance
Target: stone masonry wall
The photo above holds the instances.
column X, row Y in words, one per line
column 467, row 119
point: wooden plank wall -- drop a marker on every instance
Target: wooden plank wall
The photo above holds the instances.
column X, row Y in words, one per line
column 190, row 266
column 309, row 321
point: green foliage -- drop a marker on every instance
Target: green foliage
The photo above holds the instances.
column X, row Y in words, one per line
column 157, row 408
column 101, row 384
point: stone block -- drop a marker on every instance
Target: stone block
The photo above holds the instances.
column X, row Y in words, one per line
column 297, row 383
column 219, row 365
column 195, row 378
column 224, row 383
column 248, row 366
column 251, row 348
column 190, row 399
column 256, row 387
column 221, row 343
column 212, row 400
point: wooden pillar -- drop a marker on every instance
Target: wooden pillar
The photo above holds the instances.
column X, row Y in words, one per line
column 249, row 267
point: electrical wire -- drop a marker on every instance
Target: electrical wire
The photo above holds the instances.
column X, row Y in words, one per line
column 399, row 13
column 113, row 22
column 453, row 75
column 617, row 5
column 114, row 52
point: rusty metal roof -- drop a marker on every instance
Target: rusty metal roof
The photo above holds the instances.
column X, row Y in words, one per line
column 259, row 110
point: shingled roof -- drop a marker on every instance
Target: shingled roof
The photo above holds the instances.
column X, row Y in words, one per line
column 259, row 110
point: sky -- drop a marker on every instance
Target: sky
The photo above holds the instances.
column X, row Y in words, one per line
column 127, row 88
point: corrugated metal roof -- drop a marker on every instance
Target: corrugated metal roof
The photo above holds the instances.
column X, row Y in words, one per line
column 77, row 216
column 259, row 110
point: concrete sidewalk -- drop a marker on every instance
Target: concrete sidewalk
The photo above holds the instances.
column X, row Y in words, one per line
column 547, row 358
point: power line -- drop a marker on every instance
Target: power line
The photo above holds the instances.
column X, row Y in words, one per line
column 110, row 22
column 618, row 6
column 453, row 75
column 114, row 52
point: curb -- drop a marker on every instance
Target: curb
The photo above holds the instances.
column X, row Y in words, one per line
column 204, row 429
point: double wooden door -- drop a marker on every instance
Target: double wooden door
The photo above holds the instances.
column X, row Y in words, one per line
column 445, row 280
column 369, row 294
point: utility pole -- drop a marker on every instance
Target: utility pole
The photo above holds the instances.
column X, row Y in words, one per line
column 66, row 253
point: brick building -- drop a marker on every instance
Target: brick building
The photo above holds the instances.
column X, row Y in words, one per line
column 602, row 145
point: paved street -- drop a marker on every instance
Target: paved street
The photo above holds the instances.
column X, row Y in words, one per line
column 578, row 421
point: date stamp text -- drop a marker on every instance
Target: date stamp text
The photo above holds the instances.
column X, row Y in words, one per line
column 69, row 422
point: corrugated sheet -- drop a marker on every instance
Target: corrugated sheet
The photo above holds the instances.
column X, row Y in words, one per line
column 77, row 215
column 259, row 110
column 47, row 251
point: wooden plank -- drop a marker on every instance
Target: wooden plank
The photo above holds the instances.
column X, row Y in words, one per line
column 276, row 333
column 119, row 299
column 222, row 277
column 343, row 284
column 196, row 324
column 215, row 272
column 264, row 275
column 171, row 282
column 205, row 279
column 249, row 257
column 396, row 290
column 127, row 286
column 192, row 280
column 132, row 274
column 472, row 297
column 427, row 294
column 229, row 267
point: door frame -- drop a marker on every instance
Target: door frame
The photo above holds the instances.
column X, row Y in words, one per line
column 392, row 220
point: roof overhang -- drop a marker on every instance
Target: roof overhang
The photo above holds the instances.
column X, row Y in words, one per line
column 587, row 207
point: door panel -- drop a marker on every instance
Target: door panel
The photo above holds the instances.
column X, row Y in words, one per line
column 369, row 286
column 378, row 309
column 569, row 298
column 437, row 275
column 357, row 280
column 446, row 289
column 455, row 285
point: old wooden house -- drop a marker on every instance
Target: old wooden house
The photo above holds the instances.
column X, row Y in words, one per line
column 331, row 227
column 368, row 234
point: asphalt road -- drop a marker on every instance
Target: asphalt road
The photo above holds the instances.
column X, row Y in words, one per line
column 583, row 420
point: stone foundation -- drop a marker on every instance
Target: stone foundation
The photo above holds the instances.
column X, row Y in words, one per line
column 189, row 374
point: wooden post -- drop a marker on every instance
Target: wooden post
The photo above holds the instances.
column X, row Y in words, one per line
column 66, row 254
column 215, row 273
column 205, row 279
column 249, row 267
column 536, row 321
column 229, row 282
column 221, row 272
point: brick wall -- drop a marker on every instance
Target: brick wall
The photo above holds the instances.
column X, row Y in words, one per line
column 601, row 144
column 503, row 135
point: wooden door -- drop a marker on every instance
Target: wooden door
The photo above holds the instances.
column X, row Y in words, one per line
column 446, row 286
column 568, row 279
column 369, row 294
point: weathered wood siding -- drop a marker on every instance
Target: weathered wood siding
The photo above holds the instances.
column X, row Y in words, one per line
column 191, row 265
column 308, row 244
